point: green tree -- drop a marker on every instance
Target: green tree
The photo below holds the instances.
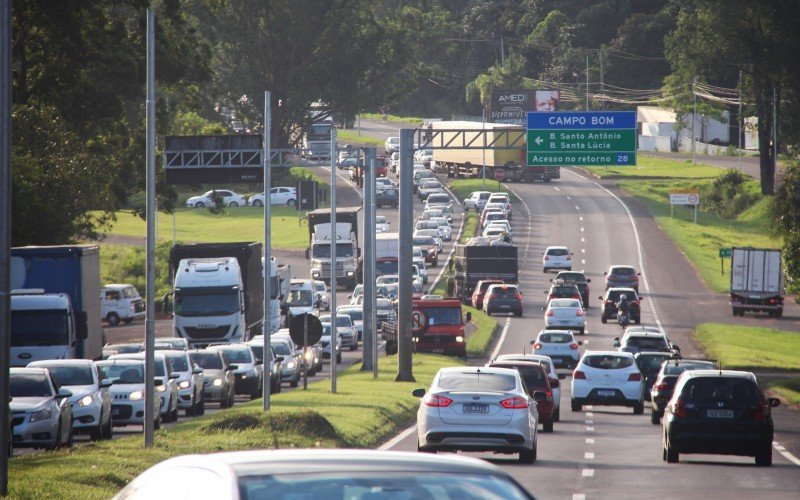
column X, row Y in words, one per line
column 786, row 219
column 499, row 76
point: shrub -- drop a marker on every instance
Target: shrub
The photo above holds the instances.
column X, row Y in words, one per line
column 727, row 196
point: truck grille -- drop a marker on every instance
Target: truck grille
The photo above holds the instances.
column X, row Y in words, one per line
column 326, row 269
column 217, row 333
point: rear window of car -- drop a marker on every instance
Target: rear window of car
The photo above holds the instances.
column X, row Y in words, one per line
column 623, row 271
column 607, row 362
column 576, row 277
column 644, row 343
column 712, row 389
column 563, row 290
column 504, row 292
column 558, row 251
column 473, row 381
column 438, row 198
column 533, row 376
column 564, row 303
column 495, row 216
column 614, row 294
column 650, row 363
column 555, row 338
column 672, row 369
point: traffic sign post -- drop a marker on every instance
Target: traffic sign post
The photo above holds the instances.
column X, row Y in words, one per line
column 582, row 138
column 723, row 252
column 691, row 199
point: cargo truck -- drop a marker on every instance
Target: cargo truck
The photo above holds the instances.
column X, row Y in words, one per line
column 482, row 259
column 437, row 326
column 500, row 164
column 55, row 303
column 207, row 280
column 756, row 275
column 348, row 252
column 387, row 248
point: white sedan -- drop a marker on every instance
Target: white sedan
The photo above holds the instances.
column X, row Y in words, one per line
column 607, row 378
column 229, row 199
column 565, row 314
column 445, row 231
column 277, row 196
column 478, row 409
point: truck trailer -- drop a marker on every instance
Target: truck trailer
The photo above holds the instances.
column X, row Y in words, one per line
column 55, row 303
column 478, row 260
column 756, row 275
column 500, row 164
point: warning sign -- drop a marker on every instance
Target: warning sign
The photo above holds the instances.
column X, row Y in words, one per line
column 419, row 322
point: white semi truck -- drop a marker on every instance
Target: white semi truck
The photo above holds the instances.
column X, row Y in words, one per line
column 348, row 253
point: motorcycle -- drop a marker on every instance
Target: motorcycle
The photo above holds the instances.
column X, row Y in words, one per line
column 623, row 319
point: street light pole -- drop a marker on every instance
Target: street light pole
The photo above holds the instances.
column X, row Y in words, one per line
column 150, row 320
column 404, row 310
column 5, row 235
column 267, row 325
column 334, row 333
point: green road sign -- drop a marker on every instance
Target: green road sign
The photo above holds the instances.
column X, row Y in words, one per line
column 581, row 141
column 567, row 159
column 724, row 252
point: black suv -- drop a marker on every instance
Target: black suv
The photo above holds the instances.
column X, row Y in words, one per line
column 665, row 382
column 634, row 342
column 609, row 304
column 721, row 412
column 562, row 290
column 580, row 280
column 389, row 197
column 503, row 298
column 649, row 363
column 622, row 276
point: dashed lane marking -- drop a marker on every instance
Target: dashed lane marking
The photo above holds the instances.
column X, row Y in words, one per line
column 587, row 473
column 589, row 440
column 589, row 429
column 588, row 455
column 578, row 496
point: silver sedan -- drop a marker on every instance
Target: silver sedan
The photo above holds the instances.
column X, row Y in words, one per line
column 478, row 409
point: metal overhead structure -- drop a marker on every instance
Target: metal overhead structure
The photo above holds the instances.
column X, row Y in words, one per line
column 502, row 138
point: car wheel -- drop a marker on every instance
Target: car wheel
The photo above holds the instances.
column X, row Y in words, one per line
column 655, row 419
column 528, row 456
column 544, row 270
column 764, row 456
column 673, row 457
column 575, row 405
column 233, row 204
column 190, row 411
column 488, row 312
column 108, row 429
column 231, row 398
column 603, row 319
column 258, row 203
column 291, row 203
column 557, row 415
column 157, row 424
column 225, row 403
column 638, row 408
column 174, row 413
column 518, row 313
column 582, row 331
column 422, row 450
column 70, row 438
column 547, row 426
column 294, row 382
column 199, row 204
column 201, row 406
column 637, row 320
column 96, row 434
column 112, row 318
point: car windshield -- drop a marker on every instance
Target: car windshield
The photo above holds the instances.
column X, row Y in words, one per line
column 30, row 385
column 207, row 360
column 387, row 290
column 72, row 375
column 175, row 343
column 213, row 304
column 233, row 356
column 364, row 484
column 40, row 327
column 127, row 373
column 281, row 348
column 607, row 362
column 564, row 303
column 299, row 298
column 708, row 390
column 555, row 338
column 476, row 381
column 443, row 315
column 438, row 198
column 179, row 362
column 323, row 250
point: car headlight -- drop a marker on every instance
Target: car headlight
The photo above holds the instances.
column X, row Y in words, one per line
column 184, row 384
column 161, row 388
column 290, row 365
column 136, row 396
column 459, row 339
column 41, row 415
column 85, row 401
column 315, row 274
column 350, row 274
column 217, row 382
column 309, row 355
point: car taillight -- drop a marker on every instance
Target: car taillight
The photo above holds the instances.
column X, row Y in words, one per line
column 518, row 296
column 680, row 410
column 635, row 278
column 576, row 297
column 609, row 301
column 549, row 394
column 549, row 313
column 634, row 377
column 569, row 258
column 437, row 401
column 579, row 312
column 578, row 375
column 635, row 302
column 573, row 345
column 546, row 257
column 661, row 387
column 514, row 403
column 537, row 345
column 762, row 410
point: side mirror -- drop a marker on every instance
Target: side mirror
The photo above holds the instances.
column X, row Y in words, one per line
column 561, row 376
column 259, row 362
column 544, row 308
column 605, row 273
column 554, row 383
column 197, row 370
column 231, row 368
column 532, row 342
column 63, row 393
column 773, row 402
column 174, row 376
column 588, row 280
column 308, row 253
column 600, row 297
column 545, row 292
column 616, row 339
column 539, row 396
column 105, row 383
column 418, row 393
column 641, row 298
column 158, row 382
column 469, row 316
column 616, row 343
column 580, row 342
column 638, row 274
column 676, row 347
column 279, row 359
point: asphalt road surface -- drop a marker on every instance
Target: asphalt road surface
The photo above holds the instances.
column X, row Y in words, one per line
column 605, row 452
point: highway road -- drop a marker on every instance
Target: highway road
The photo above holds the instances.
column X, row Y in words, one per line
column 609, row 452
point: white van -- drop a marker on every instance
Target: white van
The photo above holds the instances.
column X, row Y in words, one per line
column 302, row 297
column 121, row 302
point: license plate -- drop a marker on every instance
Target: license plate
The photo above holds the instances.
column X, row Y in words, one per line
column 476, row 408
column 115, row 412
column 606, row 394
column 505, row 306
column 437, row 351
column 720, row 413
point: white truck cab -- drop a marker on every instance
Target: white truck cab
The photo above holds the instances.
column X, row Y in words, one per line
column 209, row 301
column 41, row 327
column 120, row 302
column 302, row 297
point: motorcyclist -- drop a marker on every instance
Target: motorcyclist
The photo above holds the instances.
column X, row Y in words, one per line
column 623, row 308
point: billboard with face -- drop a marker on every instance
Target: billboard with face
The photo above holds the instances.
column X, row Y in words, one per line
column 512, row 106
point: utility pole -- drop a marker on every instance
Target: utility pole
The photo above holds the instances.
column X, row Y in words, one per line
column 694, row 118
column 483, row 170
column 370, row 299
column 267, row 325
column 150, row 320
column 404, row 344
column 334, row 239
column 5, row 236
column 741, row 123
column 774, row 134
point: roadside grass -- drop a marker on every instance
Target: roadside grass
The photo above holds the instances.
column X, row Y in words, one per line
column 362, row 414
column 701, row 242
column 392, row 118
column 750, row 348
column 788, row 388
column 470, row 227
column 485, row 327
column 352, row 136
column 650, row 167
column 463, row 187
column 230, row 224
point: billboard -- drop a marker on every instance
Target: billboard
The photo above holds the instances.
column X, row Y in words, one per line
column 512, row 106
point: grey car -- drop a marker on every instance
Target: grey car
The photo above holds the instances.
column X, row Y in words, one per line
column 249, row 371
column 190, row 382
column 41, row 414
column 218, row 379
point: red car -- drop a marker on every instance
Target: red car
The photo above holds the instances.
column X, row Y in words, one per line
column 480, row 292
column 536, row 380
column 428, row 247
column 381, row 166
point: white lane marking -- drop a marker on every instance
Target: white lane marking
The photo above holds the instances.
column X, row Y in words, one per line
column 587, row 473
column 589, row 440
column 580, row 218
column 583, row 240
column 588, row 413
column 583, row 250
column 578, row 496
column 569, row 198
column 556, row 188
column 452, row 195
column 638, row 249
column 583, row 261
column 786, row 454
column 590, row 429
column 388, row 445
column 577, row 207
column 502, row 338
column 588, row 455
column 589, row 407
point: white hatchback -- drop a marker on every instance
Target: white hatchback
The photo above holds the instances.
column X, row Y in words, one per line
column 607, row 378
column 561, row 346
column 556, row 257
column 445, row 231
